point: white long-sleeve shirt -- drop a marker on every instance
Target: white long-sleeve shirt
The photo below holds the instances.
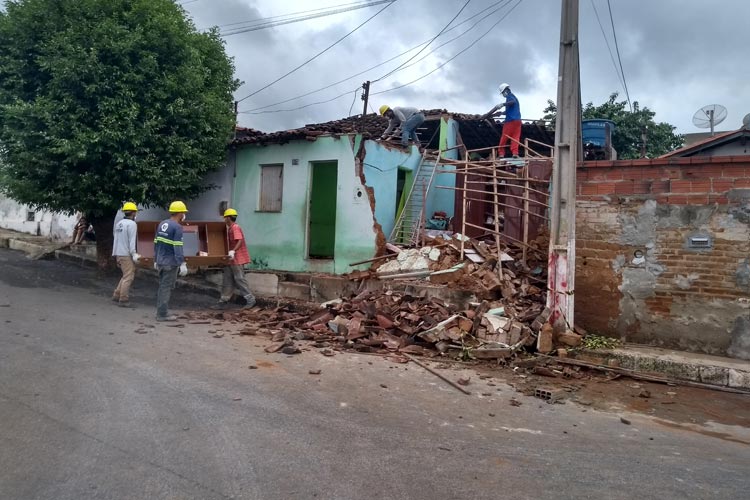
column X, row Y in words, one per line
column 125, row 235
column 400, row 115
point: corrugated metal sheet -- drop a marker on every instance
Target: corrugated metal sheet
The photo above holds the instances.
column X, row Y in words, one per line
column 271, row 187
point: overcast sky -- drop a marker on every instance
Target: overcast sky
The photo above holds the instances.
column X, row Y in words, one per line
column 677, row 56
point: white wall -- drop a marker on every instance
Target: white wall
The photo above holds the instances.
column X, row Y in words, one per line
column 51, row 224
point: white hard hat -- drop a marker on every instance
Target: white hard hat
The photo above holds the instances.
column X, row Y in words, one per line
column 503, row 87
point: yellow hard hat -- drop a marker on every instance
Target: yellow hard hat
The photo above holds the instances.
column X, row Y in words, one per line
column 384, row 108
column 129, row 206
column 177, row 207
column 230, row 212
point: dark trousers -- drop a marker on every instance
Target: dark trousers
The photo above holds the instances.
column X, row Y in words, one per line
column 167, row 280
column 234, row 278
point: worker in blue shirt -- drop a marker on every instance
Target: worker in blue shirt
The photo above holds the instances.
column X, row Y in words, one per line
column 168, row 258
column 512, row 122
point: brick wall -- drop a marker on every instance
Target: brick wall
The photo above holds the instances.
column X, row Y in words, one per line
column 675, row 296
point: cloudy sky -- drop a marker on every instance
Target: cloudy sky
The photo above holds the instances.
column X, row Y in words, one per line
column 677, row 55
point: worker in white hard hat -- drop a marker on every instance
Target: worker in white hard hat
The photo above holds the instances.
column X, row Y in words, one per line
column 124, row 251
column 511, row 124
column 408, row 118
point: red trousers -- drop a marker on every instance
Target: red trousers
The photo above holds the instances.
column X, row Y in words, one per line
column 511, row 130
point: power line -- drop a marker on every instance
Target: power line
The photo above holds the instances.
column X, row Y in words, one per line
column 319, row 53
column 609, row 48
column 299, row 107
column 303, row 12
column 399, row 55
column 271, row 24
column 454, row 56
column 617, row 48
column 506, row 2
column 353, row 101
column 428, row 44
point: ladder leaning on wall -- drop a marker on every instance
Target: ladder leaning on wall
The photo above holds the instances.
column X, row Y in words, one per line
column 410, row 222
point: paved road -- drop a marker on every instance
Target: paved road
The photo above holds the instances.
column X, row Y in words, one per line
column 89, row 409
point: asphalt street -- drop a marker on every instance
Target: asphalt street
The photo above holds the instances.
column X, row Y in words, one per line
column 92, row 409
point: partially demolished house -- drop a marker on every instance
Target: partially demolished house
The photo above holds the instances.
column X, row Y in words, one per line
column 324, row 196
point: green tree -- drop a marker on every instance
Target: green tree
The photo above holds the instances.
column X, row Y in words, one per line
column 106, row 101
column 630, row 127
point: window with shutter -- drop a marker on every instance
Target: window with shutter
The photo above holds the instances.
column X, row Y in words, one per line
column 271, row 188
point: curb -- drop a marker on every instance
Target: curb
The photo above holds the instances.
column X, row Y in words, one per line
column 730, row 373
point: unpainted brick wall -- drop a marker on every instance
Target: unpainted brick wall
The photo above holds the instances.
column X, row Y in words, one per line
column 691, row 299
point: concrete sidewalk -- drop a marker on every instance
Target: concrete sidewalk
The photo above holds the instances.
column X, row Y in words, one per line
column 680, row 365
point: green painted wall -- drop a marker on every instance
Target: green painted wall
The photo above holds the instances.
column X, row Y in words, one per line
column 279, row 240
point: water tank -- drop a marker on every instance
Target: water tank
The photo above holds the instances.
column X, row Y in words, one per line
column 597, row 139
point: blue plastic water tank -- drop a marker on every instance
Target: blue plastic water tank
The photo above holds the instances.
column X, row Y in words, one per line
column 596, row 131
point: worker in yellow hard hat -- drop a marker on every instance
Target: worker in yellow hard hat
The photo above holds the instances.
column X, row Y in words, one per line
column 124, row 252
column 169, row 260
column 234, row 273
column 409, row 119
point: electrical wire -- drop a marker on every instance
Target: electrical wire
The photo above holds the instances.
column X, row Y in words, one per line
column 318, row 54
column 353, row 101
column 298, row 107
column 454, row 56
column 609, row 48
column 506, row 2
column 396, row 56
column 428, row 44
column 272, row 24
column 619, row 59
column 261, row 20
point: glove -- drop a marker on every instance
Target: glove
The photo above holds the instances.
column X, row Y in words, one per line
column 183, row 269
column 231, row 254
column 136, row 257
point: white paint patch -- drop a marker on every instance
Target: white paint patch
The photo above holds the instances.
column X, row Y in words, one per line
column 521, row 429
column 343, row 405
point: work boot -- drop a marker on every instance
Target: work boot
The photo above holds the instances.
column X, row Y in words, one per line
column 115, row 298
column 171, row 317
column 221, row 304
column 126, row 303
column 250, row 302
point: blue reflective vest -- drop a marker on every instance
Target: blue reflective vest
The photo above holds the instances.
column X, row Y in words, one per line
column 168, row 244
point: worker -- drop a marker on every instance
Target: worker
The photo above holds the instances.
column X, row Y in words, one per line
column 124, row 252
column 169, row 260
column 234, row 273
column 408, row 118
column 512, row 122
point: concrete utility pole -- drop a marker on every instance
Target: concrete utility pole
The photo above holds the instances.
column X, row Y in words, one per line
column 561, row 270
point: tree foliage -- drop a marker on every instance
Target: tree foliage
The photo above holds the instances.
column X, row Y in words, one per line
column 105, row 101
column 629, row 127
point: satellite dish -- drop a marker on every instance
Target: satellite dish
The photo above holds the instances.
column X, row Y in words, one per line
column 709, row 116
column 746, row 121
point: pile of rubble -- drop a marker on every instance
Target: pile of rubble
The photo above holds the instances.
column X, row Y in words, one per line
column 508, row 315
column 490, row 272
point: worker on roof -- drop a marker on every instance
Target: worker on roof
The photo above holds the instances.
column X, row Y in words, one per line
column 169, row 259
column 124, row 252
column 234, row 273
column 512, row 122
column 408, row 118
